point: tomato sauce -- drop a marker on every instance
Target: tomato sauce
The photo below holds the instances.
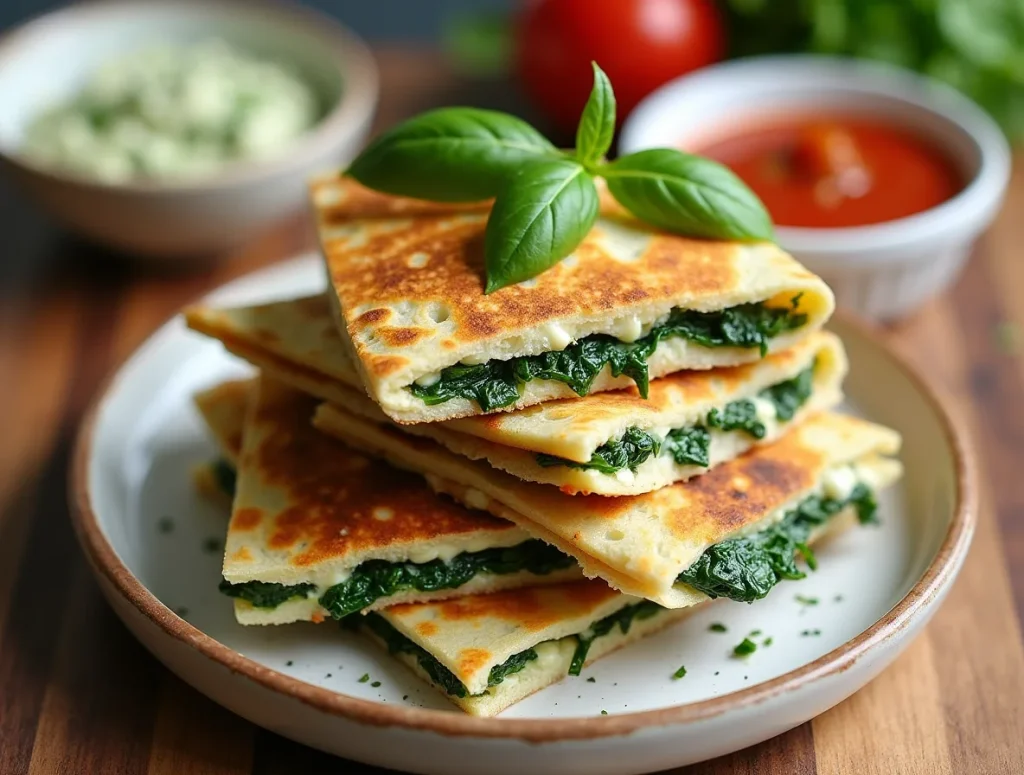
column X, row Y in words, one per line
column 823, row 172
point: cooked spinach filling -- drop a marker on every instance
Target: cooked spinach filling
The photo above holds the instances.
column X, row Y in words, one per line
column 397, row 643
column 624, row 618
column 496, row 384
column 375, row 579
column 265, row 594
column 689, row 446
column 747, row 568
column 439, row 674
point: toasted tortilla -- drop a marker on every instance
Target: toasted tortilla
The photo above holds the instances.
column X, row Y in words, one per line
column 308, row 510
column 407, row 291
column 222, row 408
column 640, row 544
column 511, row 441
column 296, row 342
column 470, row 635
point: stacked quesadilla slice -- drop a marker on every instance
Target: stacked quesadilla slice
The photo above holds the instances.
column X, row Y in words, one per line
column 499, row 489
column 319, row 531
column 629, row 305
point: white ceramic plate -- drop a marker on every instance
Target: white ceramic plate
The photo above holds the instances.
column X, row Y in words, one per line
column 155, row 546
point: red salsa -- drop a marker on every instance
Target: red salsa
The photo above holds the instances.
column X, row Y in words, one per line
column 823, row 172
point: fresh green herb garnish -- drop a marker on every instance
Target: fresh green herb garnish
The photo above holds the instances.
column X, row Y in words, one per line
column 604, row 713
column 679, row 673
column 591, row 680
column 767, row 642
column 545, row 200
column 441, row 675
column 754, row 633
column 718, row 627
column 375, row 579
column 747, row 568
column 804, row 600
column 807, row 633
column 744, row 648
column 495, row 384
column 264, row 594
column 375, row 684
column 365, row 677
column 623, row 618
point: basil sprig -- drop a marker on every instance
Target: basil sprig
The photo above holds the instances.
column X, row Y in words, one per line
column 545, row 201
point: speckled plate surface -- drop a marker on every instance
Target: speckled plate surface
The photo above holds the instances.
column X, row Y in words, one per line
column 155, row 546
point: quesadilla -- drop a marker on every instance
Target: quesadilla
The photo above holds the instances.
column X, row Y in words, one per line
column 733, row 532
column 628, row 305
column 613, row 443
column 487, row 652
column 222, row 408
column 319, row 531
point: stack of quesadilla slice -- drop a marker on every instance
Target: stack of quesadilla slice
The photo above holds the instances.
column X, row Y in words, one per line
column 654, row 413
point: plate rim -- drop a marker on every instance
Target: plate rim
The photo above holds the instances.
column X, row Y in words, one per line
column 933, row 582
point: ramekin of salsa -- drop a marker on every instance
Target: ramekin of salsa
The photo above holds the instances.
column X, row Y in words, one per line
column 877, row 179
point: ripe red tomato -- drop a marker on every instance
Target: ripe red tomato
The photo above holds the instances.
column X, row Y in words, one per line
column 640, row 44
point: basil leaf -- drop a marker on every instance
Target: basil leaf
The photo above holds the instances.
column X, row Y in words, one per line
column 450, row 155
column 537, row 220
column 597, row 124
column 687, row 194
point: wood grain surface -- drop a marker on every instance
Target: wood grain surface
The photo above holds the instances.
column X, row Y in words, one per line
column 79, row 695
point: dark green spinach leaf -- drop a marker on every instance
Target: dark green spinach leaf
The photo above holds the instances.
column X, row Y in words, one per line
column 633, row 448
column 265, row 594
column 375, row 579
column 746, row 569
column 624, row 618
column 689, row 446
column 495, row 384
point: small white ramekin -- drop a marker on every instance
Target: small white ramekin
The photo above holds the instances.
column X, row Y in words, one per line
column 47, row 59
column 883, row 271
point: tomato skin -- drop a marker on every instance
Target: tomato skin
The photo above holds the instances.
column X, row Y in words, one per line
column 640, row 44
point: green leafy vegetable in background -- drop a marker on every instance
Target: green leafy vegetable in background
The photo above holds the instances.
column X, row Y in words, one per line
column 974, row 45
column 545, row 199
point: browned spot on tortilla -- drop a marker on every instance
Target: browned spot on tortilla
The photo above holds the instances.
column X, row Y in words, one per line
column 532, row 609
column 373, row 317
column 400, row 337
column 332, row 493
column 426, row 629
column 242, row 555
column 246, row 519
column 472, row 660
column 671, row 267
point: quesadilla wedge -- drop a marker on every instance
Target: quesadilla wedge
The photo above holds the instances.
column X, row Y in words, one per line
column 319, row 531
column 628, row 305
column 222, row 408
column 733, row 532
column 613, row 443
column 487, row 652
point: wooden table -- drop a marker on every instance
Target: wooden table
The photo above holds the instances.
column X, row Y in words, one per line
column 79, row 695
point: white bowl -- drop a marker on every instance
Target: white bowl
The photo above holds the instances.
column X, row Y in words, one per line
column 48, row 59
column 882, row 271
